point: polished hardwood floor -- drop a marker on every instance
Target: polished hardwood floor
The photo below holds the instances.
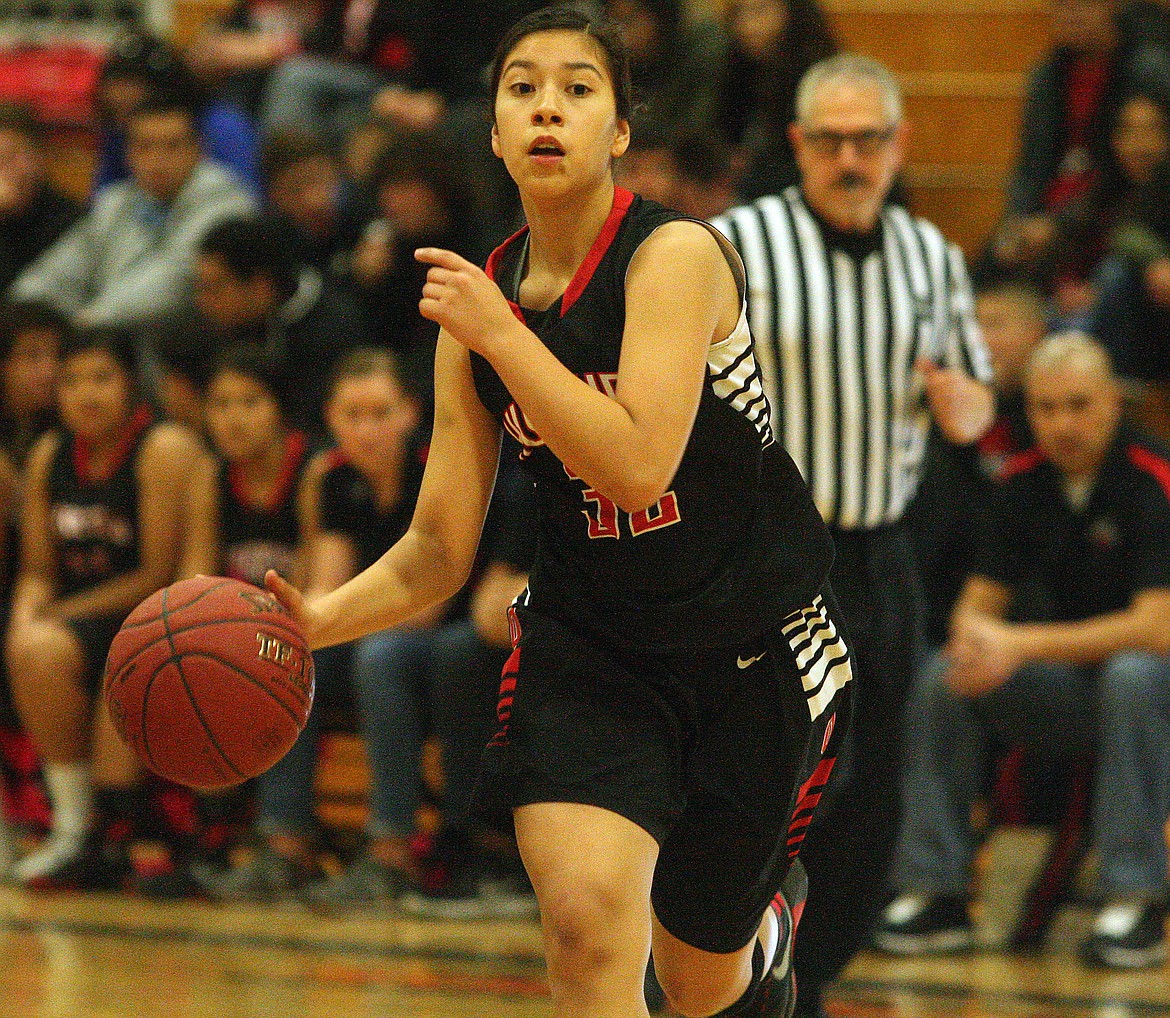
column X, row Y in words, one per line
column 108, row 956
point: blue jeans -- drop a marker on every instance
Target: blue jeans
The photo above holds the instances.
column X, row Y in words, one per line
column 390, row 671
column 1058, row 711
column 1132, row 801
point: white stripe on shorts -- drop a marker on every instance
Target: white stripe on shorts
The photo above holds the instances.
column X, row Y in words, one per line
column 821, row 655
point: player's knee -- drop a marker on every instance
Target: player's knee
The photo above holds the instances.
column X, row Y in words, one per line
column 579, row 921
column 39, row 653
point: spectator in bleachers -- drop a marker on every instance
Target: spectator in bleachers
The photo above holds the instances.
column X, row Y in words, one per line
column 33, row 213
column 304, row 183
column 1072, row 97
column 473, row 869
column 236, row 53
column 403, row 60
column 1060, row 641
column 1132, row 315
column 671, row 61
column 103, row 514
column 957, row 480
column 704, row 186
column 130, row 259
column 647, row 166
column 772, row 44
column 357, row 500
column 252, row 288
column 419, row 201
column 30, row 353
column 140, row 66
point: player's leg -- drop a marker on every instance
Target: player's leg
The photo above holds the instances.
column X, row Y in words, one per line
column 728, row 893
column 46, row 662
column 592, row 870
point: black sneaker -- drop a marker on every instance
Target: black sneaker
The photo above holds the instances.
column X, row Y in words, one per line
column 916, row 924
column 776, row 996
column 1128, row 934
column 86, row 863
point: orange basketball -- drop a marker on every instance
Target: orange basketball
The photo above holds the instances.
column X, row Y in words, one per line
column 209, row 681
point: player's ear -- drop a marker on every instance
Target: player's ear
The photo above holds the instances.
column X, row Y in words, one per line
column 621, row 139
column 496, row 142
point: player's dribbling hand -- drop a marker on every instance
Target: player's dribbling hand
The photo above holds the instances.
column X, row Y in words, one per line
column 292, row 600
column 460, row 297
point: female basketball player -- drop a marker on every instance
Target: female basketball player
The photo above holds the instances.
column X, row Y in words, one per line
column 104, row 510
column 677, row 689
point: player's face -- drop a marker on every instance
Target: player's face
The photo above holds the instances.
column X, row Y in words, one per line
column 848, row 152
column 1073, row 410
column 556, row 124
column 30, row 371
column 371, row 418
column 243, row 419
column 93, row 394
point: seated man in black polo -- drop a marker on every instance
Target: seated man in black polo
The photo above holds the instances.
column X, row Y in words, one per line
column 1060, row 641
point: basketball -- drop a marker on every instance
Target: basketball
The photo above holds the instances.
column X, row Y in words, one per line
column 209, row 681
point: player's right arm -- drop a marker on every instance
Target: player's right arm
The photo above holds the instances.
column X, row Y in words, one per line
column 434, row 558
column 36, row 583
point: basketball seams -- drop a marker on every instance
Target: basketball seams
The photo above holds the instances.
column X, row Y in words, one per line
column 186, row 604
column 250, row 678
column 264, row 620
column 187, row 689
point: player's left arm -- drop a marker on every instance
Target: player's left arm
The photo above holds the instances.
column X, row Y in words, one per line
column 162, row 473
column 679, row 293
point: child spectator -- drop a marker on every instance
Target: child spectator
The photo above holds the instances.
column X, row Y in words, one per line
column 102, row 525
column 33, row 213
column 358, row 499
column 130, row 259
column 30, row 352
column 140, row 66
column 419, row 202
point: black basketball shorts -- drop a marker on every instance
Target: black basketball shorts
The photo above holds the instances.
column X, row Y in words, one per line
column 719, row 754
column 94, row 635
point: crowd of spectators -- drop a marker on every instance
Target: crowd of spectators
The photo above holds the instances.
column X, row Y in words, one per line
column 239, row 295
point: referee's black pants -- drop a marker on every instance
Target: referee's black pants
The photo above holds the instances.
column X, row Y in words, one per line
column 850, row 843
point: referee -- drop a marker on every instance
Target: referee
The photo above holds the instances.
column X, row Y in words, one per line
column 864, row 328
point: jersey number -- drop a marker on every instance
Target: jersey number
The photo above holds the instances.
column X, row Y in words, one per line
column 605, row 518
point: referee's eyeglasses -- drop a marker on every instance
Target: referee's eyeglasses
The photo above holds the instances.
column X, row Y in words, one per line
column 865, row 143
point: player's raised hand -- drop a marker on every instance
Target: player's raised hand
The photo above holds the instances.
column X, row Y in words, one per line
column 459, row 296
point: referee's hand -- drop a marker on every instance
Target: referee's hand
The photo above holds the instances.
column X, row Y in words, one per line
column 962, row 407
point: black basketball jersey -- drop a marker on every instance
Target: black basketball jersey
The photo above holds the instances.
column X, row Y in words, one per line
column 258, row 538
column 349, row 506
column 95, row 520
column 734, row 545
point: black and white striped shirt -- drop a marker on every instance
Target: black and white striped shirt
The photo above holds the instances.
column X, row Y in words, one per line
column 838, row 330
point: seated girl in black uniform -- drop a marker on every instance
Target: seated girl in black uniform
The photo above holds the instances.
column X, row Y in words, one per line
column 104, row 509
column 678, row 688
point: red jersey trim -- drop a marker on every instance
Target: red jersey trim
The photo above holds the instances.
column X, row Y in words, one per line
column 622, row 200
column 139, row 421
column 1152, row 464
column 295, row 444
column 1021, row 463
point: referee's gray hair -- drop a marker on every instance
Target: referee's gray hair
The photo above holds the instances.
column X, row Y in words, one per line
column 852, row 68
column 1070, row 348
